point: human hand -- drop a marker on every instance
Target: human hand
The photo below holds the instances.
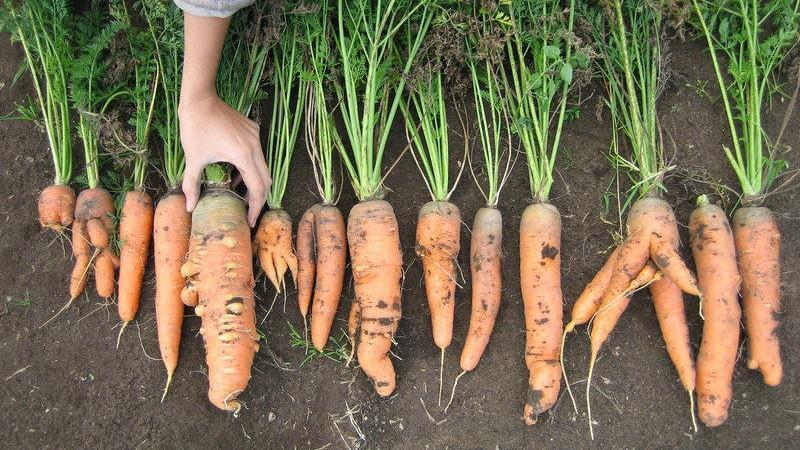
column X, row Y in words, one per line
column 212, row 131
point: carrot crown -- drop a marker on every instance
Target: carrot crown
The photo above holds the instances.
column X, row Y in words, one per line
column 484, row 61
column 540, row 45
column 289, row 95
column 40, row 27
column 320, row 132
column 735, row 30
column 372, row 80
column 630, row 42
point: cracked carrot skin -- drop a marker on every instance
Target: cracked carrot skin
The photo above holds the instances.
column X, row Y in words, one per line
column 540, row 280
column 171, row 229
column 56, row 207
column 438, row 245
column 273, row 245
column 135, row 231
column 712, row 244
column 486, row 255
column 758, row 247
column 377, row 262
column 219, row 274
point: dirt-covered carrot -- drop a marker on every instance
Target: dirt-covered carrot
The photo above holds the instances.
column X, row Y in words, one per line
column 629, row 42
column 758, row 246
column 751, row 154
column 219, row 274
column 368, row 105
column 486, row 255
column 438, row 236
column 42, row 32
column 273, row 240
column 537, row 47
column 714, row 253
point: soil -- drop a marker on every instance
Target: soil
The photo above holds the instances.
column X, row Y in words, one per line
column 66, row 385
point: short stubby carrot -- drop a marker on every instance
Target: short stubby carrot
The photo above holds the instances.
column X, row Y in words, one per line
column 321, row 255
column 56, row 206
column 171, row 230
column 486, row 256
column 135, row 228
column 273, row 245
column 540, row 279
column 377, row 262
column 438, row 245
column 219, row 280
column 758, row 246
column 714, row 253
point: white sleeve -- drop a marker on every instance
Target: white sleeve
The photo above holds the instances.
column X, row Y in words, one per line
column 212, row 8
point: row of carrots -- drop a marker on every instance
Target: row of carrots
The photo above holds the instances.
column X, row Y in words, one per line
column 205, row 260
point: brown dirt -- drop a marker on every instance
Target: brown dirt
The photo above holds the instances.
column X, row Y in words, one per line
column 67, row 386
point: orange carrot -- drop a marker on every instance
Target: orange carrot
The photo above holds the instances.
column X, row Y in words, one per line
column 306, row 260
column 540, row 279
column 56, row 207
column 715, row 257
column 589, row 301
column 438, row 244
column 758, row 245
column 219, row 272
column 331, row 253
column 273, row 245
column 93, row 215
column 171, row 229
column 135, row 227
column 486, row 254
column 377, row 262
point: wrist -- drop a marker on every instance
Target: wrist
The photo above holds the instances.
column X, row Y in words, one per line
column 191, row 97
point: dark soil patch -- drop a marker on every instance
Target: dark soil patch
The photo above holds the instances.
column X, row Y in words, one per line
column 68, row 386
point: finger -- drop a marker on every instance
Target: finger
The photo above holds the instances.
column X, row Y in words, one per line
column 191, row 185
column 256, row 192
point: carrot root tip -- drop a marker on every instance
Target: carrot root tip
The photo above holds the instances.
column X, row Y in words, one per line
column 166, row 386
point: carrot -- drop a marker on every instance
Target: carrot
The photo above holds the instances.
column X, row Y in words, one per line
column 135, row 228
column 715, row 257
column 171, row 229
column 81, row 249
column 758, row 244
column 93, row 215
column 331, row 253
column 377, row 262
column 589, row 301
column 219, row 273
column 273, row 245
column 668, row 303
column 486, row 254
column 306, row 260
column 56, row 207
column 540, row 279
column 438, row 244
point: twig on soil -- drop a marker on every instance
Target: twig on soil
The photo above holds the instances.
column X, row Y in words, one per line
column 17, row 372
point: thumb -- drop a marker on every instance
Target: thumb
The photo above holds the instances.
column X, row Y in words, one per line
column 191, row 186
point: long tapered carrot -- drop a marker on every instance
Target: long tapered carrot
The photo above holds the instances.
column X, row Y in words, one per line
column 714, row 253
column 331, row 253
column 540, row 279
column 758, row 244
column 135, row 228
column 56, row 206
column 438, row 245
column 219, row 271
column 171, row 229
column 306, row 260
column 486, row 254
column 377, row 262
